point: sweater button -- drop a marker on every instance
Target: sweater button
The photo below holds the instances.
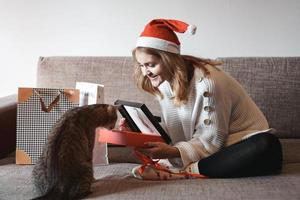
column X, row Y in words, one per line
column 206, row 94
column 207, row 121
column 208, row 108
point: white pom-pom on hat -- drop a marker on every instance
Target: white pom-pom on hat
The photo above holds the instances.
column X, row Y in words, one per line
column 191, row 29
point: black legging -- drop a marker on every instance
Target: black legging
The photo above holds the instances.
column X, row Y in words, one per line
column 258, row 155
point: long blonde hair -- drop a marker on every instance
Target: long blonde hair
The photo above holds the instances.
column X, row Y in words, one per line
column 180, row 68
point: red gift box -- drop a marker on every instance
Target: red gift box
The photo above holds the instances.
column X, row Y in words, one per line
column 127, row 138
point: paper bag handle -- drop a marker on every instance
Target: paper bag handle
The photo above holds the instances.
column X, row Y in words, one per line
column 51, row 105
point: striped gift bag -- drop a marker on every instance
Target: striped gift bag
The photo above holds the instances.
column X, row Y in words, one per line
column 37, row 111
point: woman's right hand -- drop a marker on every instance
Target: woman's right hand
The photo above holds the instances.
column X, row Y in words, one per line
column 123, row 126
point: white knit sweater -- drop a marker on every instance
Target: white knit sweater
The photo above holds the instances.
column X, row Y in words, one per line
column 218, row 113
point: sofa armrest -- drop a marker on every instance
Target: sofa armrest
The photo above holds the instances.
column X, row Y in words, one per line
column 8, row 118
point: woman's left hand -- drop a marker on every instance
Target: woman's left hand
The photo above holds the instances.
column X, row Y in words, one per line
column 159, row 150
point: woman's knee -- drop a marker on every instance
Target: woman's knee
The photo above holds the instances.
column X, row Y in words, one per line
column 268, row 144
column 266, row 140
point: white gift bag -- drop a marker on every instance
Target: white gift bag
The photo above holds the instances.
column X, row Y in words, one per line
column 92, row 93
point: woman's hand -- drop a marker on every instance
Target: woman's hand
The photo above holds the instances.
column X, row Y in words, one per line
column 155, row 150
column 159, row 150
column 123, row 126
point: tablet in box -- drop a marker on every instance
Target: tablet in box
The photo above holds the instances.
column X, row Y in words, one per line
column 140, row 119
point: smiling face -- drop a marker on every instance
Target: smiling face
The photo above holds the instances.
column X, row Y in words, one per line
column 152, row 68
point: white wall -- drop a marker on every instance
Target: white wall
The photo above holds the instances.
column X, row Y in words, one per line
column 33, row 28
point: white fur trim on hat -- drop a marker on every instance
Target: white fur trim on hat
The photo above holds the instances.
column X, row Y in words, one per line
column 157, row 43
column 191, row 29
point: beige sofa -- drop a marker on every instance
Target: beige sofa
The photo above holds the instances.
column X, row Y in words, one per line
column 273, row 83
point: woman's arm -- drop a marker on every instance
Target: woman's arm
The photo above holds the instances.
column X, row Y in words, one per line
column 160, row 150
column 211, row 125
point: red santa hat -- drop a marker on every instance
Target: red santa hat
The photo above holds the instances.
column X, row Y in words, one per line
column 160, row 34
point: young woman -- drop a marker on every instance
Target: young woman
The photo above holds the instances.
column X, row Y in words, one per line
column 215, row 127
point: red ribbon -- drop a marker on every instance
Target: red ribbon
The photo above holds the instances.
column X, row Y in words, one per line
column 147, row 161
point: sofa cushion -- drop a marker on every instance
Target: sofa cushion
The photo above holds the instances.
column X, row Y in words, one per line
column 290, row 150
column 274, row 84
column 115, row 182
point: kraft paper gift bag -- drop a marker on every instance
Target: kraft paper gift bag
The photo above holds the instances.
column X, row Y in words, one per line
column 92, row 93
column 37, row 111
